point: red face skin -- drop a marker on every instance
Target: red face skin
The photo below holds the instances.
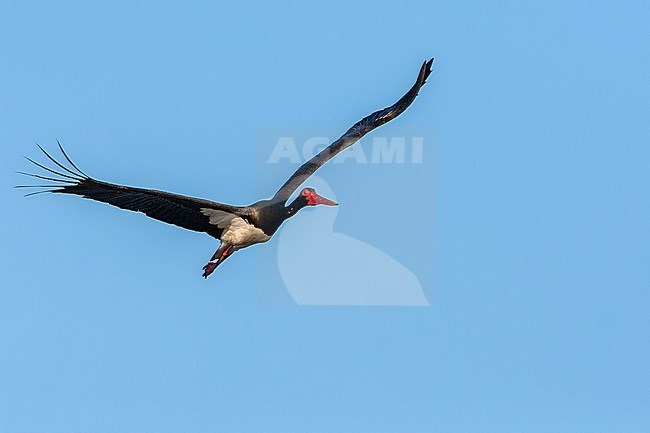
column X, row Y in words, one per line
column 314, row 199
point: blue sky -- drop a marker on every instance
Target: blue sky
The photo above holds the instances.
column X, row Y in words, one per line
column 534, row 258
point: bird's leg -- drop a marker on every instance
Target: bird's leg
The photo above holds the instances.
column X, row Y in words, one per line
column 219, row 256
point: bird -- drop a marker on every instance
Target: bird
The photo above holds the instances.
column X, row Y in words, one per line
column 236, row 227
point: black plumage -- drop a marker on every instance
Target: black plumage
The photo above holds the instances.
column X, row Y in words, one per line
column 230, row 224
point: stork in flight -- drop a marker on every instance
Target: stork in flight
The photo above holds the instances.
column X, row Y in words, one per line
column 236, row 227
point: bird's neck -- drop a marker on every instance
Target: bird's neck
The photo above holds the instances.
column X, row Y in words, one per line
column 299, row 203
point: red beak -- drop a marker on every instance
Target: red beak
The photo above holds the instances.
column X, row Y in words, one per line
column 315, row 199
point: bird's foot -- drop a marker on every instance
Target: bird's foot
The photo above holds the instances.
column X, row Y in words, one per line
column 212, row 264
column 209, row 268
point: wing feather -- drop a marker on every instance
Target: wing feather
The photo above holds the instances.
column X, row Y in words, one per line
column 353, row 135
column 179, row 210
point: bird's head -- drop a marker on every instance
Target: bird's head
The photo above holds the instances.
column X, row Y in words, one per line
column 307, row 197
column 312, row 198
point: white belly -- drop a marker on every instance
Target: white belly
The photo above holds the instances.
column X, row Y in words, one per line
column 241, row 234
column 236, row 231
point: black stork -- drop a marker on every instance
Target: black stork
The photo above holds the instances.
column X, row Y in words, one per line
column 236, row 227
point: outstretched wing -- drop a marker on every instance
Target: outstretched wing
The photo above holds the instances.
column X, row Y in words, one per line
column 353, row 135
column 186, row 212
